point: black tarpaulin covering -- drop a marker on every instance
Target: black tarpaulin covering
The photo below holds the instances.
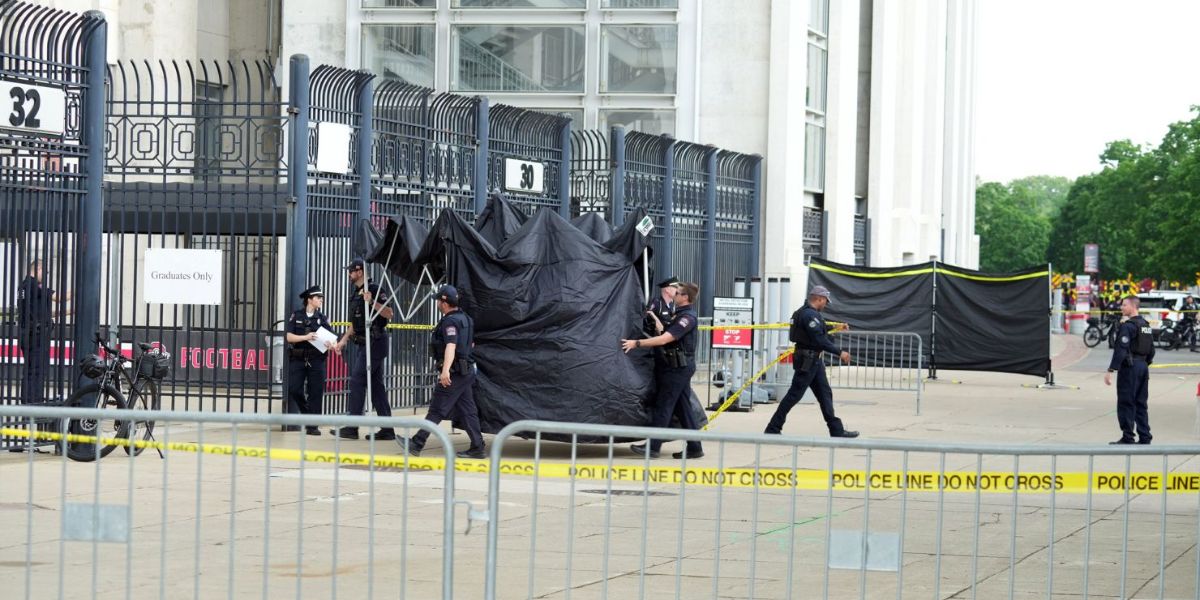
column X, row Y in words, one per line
column 550, row 304
column 983, row 321
column 993, row 321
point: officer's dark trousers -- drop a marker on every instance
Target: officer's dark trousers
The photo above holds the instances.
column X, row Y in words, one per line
column 1133, row 388
column 456, row 401
column 35, row 349
column 672, row 397
column 306, row 385
column 802, row 380
column 358, row 378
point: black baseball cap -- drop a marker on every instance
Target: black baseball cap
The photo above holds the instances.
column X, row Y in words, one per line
column 448, row 294
column 355, row 264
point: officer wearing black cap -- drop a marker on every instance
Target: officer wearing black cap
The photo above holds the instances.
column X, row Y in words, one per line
column 34, row 318
column 306, row 364
column 451, row 349
column 810, row 334
column 661, row 310
column 673, row 370
column 367, row 296
column 1131, row 360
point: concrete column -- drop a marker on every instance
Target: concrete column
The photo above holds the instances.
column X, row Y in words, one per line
column 841, row 129
column 783, row 207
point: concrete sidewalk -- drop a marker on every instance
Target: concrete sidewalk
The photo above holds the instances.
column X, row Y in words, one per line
column 217, row 526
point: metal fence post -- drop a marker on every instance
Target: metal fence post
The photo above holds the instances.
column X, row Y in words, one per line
column 298, row 175
column 564, row 173
column 482, row 160
column 665, row 263
column 755, row 212
column 91, row 218
column 617, row 180
column 366, row 128
column 708, row 268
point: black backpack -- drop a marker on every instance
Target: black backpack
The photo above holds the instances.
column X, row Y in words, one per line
column 794, row 335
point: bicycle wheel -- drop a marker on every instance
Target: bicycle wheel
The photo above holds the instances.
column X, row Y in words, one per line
column 143, row 396
column 1092, row 337
column 110, row 428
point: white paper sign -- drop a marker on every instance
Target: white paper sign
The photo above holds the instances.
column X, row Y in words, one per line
column 524, row 176
column 333, row 148
column 645, row 226
column 323, row 336
column 37, row 108
column 733, row 311
column 177, row 276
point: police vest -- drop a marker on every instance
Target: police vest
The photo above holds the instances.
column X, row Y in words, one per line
column 1143, row 341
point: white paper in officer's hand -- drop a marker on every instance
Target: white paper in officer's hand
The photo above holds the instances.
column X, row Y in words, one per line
column 323, row 335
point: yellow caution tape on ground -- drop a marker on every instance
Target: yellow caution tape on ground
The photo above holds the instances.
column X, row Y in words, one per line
column 1169, row 365
column 766, row 477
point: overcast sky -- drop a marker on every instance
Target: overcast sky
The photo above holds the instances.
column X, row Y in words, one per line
column 1058, row 79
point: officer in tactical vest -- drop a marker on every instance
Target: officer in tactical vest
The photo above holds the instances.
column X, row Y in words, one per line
column 306, row 364
column 1131, row 360
column 451, row 348
column 34, row 319
column 366, row 296
column 674, row 366
column 810, row 334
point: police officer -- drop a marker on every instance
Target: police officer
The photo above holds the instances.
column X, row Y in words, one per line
column 1131, row 362
column 673, row 370
column 306, row 364
column 1189, row 310
column 34, row 320
column 366, row 296
column 661, row 310
column 451, row 348
column 810, row 333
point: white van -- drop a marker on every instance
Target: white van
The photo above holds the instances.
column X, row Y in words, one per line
column 1160, row 304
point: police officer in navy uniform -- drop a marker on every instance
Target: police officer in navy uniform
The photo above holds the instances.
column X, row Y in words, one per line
column 34, row 320
column 366, row 295
column 661, row 310
column 1189, row 310
column 306, row 364
column 673, row 370
column 451, row 348
column 1131, row 360
column 810, row 333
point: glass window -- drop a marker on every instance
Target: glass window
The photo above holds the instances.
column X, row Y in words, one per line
column 575, row 114
column 814, row 157
column 515, row 58
column 638, row 59
column 521, row 4
column 404, row 52
column 652, row 121
column 818, row 16
column 399, row 3
column 815, row 92
column 652, row 4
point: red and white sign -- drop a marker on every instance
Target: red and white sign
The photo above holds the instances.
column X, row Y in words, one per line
column 733, row 311
column 61, row 353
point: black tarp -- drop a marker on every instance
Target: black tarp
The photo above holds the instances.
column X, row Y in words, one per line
column 550, row 304
column 967, row 320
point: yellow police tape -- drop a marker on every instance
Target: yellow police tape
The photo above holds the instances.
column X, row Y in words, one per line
column 998, row 482
column 1170, row 365
column 734, row 396
column 405, row 326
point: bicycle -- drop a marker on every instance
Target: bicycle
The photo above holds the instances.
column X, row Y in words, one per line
column 1097, row 331
column 111, row 375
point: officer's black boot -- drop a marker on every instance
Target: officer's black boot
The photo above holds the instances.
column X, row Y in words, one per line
column 312, row 430
column 290, row 428
column 386, row 433
column 477, row 453
column 346, row 433
column 408, row 446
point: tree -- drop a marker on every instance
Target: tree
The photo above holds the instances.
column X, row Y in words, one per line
column 1013, row 221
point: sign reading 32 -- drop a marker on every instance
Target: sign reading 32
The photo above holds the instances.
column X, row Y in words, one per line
column 36, row 108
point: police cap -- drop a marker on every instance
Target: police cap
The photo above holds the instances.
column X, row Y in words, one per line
column 355, row 264
column 312, row 291
column 671, row 282
column 820, row 290
column 448, row 294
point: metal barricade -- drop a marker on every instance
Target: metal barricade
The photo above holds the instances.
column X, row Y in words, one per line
column 879, row 361
column 784, row 517
column 235, row 509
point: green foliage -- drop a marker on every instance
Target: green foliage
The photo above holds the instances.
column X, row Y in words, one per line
column 1142, row 209
column 1013, row 221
